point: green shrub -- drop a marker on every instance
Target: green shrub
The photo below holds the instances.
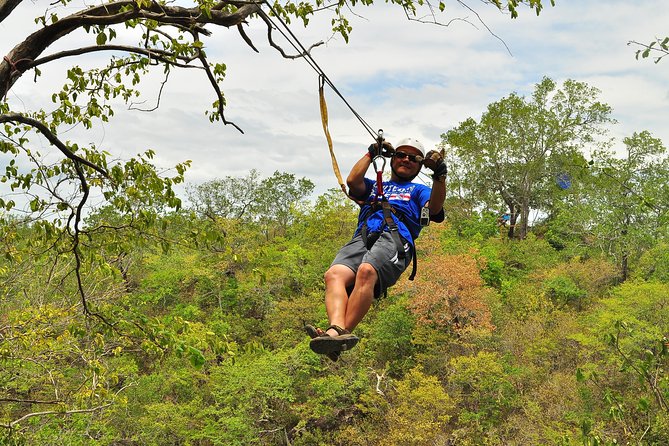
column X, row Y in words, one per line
column 562, row 290
column 390, row 336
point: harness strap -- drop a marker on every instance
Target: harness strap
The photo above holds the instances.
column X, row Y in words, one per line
column 326, row 130
column 414, row 264
column 368, row 241
column 392, row 228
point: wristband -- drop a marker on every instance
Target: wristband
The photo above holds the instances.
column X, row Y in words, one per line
column 368, row 155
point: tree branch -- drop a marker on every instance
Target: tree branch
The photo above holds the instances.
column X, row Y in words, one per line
column 16, row 400
column 25, row 53
column 659, row 49
column 52, row 412
column 6, row 8
column 246, row 38
column 48, row 134
column 486, row 26
column 160, row 95
column 217, row 89
column 270, row 39
column 156, row 54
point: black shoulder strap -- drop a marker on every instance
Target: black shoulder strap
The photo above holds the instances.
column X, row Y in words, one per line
column 392, row 228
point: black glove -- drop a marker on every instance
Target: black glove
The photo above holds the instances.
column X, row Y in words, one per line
column 435, row 161
column 387, row 149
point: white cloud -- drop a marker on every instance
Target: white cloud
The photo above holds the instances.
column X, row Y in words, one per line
column 408, row 78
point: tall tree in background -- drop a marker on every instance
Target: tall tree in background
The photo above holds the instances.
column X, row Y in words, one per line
column 512, row 155
column 630, row 198
column 268, row 201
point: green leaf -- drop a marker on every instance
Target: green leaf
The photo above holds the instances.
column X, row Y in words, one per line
column 664, row 43
column 101, row 39
column 196, row 357
column 442, row 6
column 644, row 404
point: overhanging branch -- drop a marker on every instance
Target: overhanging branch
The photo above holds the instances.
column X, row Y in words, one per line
column 162, row 56
column 53, row 139
column 6, row 7
column 217, row 89
column 23, row 55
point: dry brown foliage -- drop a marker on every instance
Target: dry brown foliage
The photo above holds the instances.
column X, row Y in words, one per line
column 448, row 293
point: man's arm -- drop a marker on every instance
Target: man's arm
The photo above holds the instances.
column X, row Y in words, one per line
column 356, row 178
column 437, row 196
column 435, row 162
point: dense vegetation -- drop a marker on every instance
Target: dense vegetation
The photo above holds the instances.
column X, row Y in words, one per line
column 126, row 319
column 194, row 334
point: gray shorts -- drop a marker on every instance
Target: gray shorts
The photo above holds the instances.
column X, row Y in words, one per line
column 383, row 257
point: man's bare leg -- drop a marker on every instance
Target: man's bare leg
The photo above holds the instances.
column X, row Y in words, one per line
column 337, row 279
column 345, row 311
column 362, row 295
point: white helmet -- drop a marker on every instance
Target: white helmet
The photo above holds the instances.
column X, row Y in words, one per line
column 411, row 142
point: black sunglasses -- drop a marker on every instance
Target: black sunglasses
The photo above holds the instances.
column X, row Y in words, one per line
column 414, row 158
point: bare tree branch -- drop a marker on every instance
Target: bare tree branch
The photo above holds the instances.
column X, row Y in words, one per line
column 18, row 400
column 159, row 55
column 270, row 27
column 246, row 38
column 44, row 130
column 160, row 95
column 486, row 26
column 52, row 412
column 217, row 89
column 6, row 8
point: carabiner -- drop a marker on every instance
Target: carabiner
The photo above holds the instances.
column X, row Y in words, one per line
column 376, row 167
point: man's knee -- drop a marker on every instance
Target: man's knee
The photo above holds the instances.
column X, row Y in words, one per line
column 366, row 274
column 338, row 274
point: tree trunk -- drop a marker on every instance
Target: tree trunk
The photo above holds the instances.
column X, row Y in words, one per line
column 524, row 219
column 513, row 217
column 624, row 267
column 624, row 262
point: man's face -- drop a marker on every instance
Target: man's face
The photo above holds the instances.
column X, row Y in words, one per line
column 402, row 165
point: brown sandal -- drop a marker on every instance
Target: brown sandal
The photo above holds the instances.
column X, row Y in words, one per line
column 315, row 332
column 324, row 344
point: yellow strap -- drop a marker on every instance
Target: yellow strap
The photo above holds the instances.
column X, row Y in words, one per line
column 324, row 119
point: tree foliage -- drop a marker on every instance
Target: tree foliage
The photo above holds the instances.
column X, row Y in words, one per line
column 511, row 157
column 452, row 296
column 657, row 49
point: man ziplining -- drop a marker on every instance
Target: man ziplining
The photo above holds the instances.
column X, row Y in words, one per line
column 391, row 216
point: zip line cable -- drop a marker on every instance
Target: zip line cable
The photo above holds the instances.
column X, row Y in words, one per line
column 297, row 45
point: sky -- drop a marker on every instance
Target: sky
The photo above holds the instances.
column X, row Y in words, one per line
column 410, row 79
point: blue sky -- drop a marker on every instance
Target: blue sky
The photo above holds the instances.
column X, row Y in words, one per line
column 408, row 78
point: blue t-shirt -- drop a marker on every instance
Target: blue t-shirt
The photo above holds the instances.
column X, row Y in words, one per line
column 406, row 198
